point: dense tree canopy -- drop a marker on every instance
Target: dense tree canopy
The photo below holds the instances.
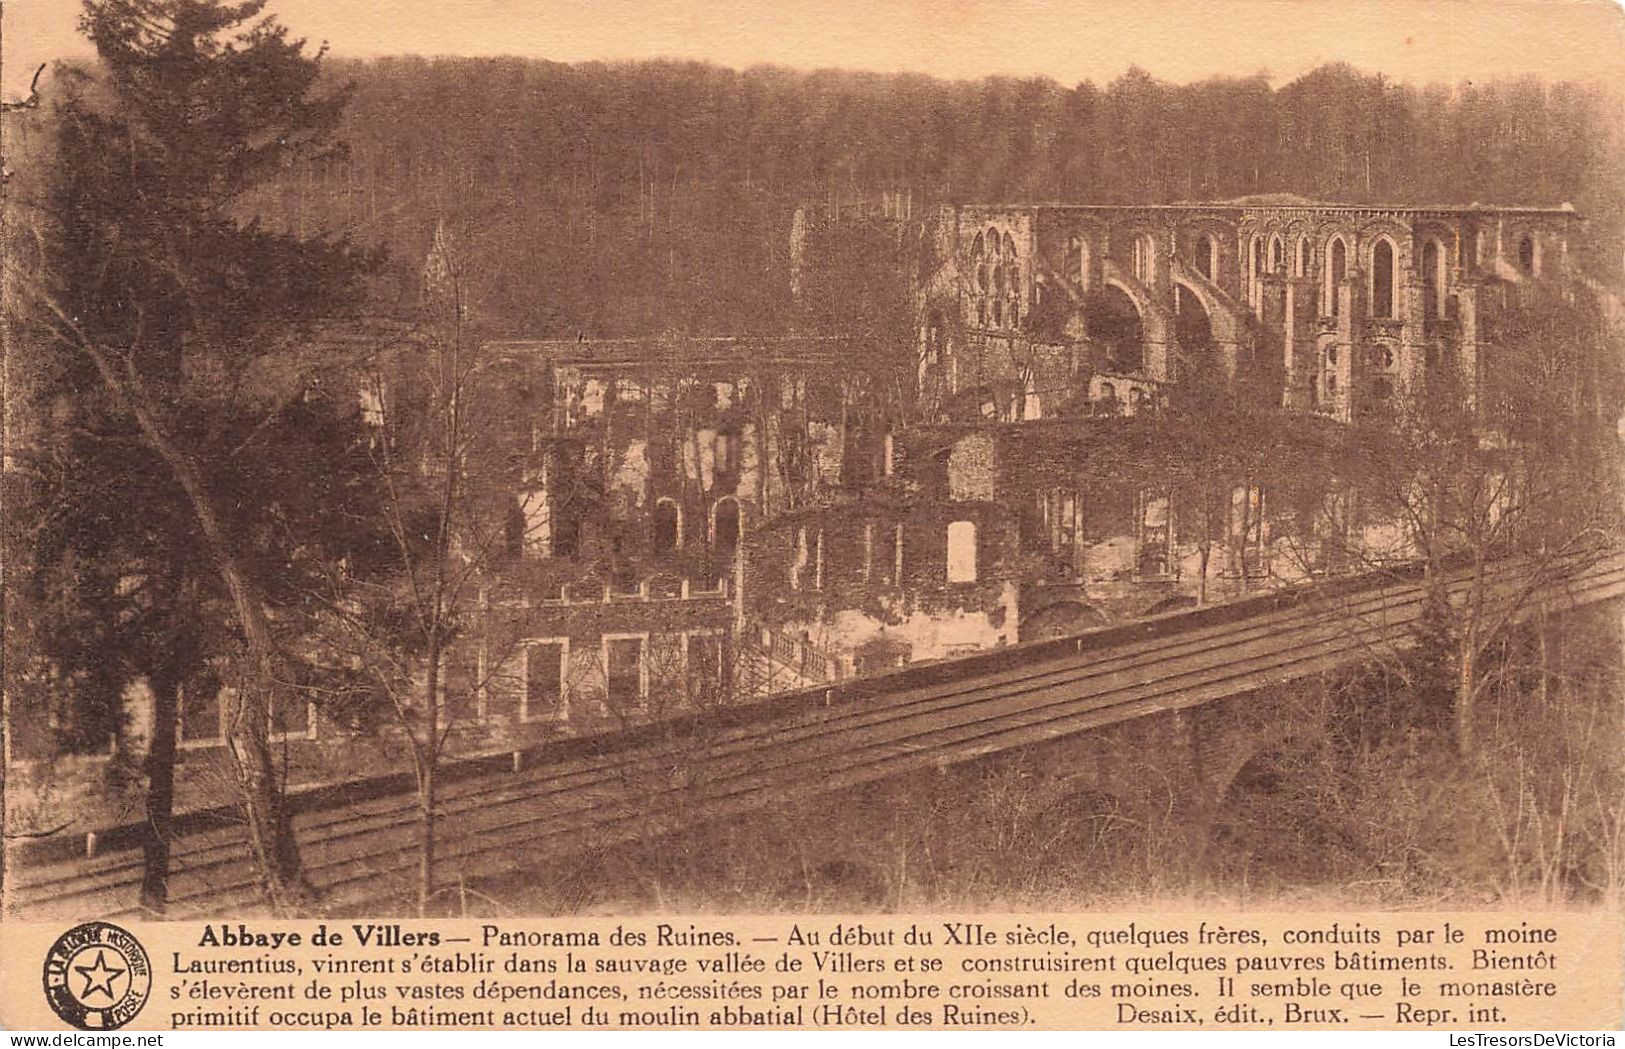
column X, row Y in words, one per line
column 615, row 199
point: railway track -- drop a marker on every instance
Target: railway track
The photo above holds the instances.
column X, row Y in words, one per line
column 646, row 784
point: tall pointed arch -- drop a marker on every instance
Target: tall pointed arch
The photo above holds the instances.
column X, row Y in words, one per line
column 1384, row 285
column 1337, row 271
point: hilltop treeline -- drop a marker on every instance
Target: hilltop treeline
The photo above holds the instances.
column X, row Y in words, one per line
column 614, row 199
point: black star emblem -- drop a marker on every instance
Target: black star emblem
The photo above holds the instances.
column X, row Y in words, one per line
column 98, row 977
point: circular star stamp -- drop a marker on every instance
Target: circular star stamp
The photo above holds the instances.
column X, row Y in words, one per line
column 97, row 976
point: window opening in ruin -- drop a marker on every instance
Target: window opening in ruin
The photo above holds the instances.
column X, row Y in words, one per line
column 725, row 452
column 1142, row 258
column 566, row 535
column 1207, row 256
column 1255, row 269
column 1336, row 274
column 543, row 695
column 1076, row 264
column 459, row 685
column 624, row 680
column 668, row 527
column 513, row 529
column 1432, row 279
column 1155, row 534
column 962, row 552
column 1063, row 524
column 706, row 664
column 801, row 554
column 290, row 717
column 1382, row 279
column 725, row 528
column 201, row 714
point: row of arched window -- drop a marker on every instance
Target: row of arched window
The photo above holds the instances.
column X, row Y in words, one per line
column 995, row 274
column 1140, row 257
column 1271, row 257
column 1274, row 256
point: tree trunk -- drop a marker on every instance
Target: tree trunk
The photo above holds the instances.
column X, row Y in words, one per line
column 427, row 800
column 165, row 685
column 1246, row 532
column 270, row 831
column 248, row 727
column 428, row 758
column 1206, row 547
column 249, row 724
column 1466, row 686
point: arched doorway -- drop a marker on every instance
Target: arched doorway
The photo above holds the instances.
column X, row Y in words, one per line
column 1273, row 825
column 725, row 529
column 1061, row 619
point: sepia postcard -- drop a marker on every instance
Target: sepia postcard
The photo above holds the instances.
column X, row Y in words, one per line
column 917, row 514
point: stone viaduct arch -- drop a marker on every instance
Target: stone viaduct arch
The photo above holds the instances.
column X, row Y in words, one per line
column 1227, row 327
column 1155, row 322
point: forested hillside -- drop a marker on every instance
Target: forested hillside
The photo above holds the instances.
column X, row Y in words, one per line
column 615, row 199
